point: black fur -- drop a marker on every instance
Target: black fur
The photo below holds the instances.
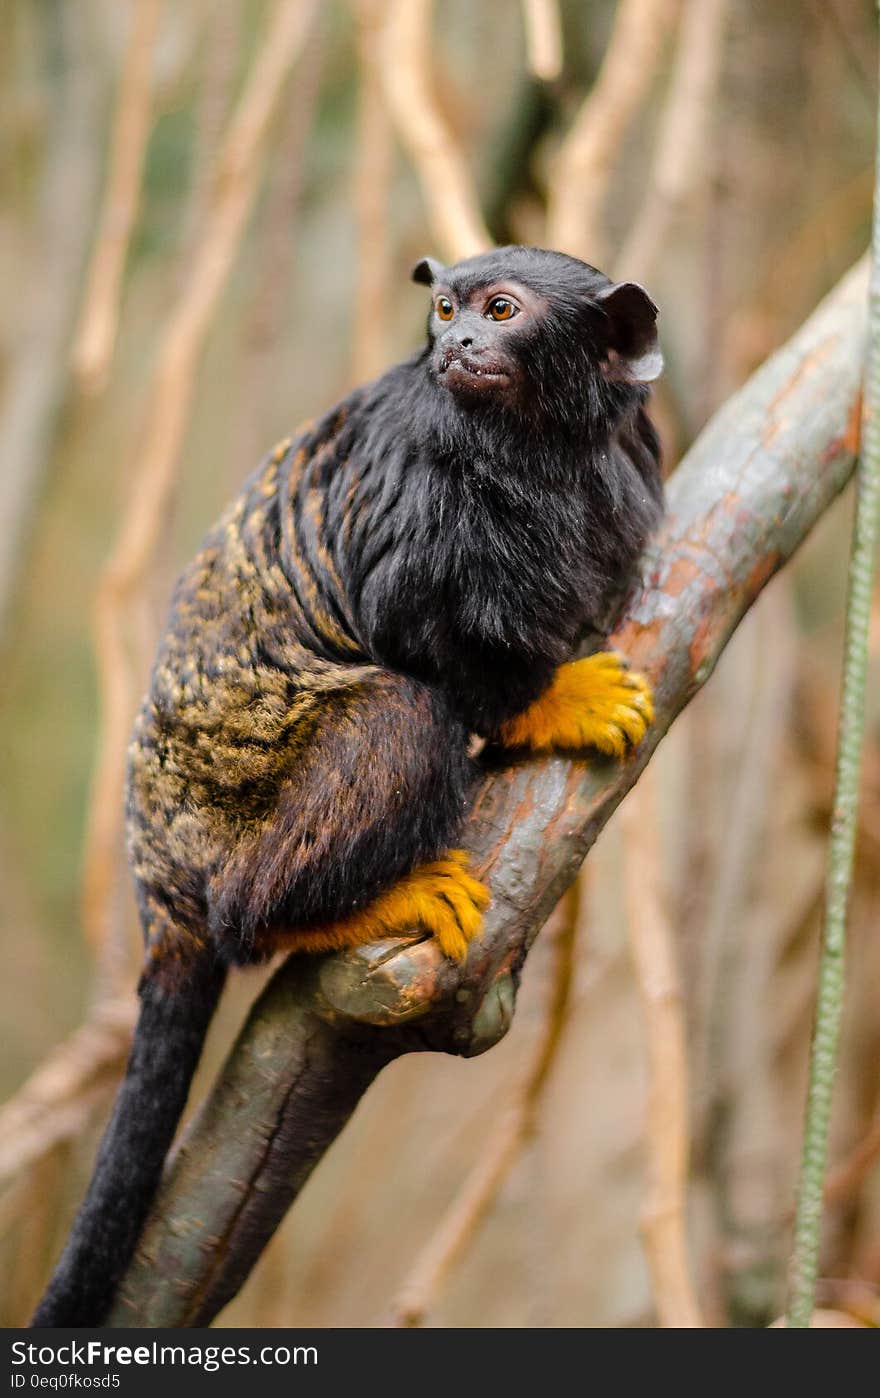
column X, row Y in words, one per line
column 409, row 571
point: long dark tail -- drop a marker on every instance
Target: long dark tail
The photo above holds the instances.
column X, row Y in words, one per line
column 167, row 1045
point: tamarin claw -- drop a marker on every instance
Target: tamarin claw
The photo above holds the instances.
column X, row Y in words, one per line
column 442, row 897
column 597, row 702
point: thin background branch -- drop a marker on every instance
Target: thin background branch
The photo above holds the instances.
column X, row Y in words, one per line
column 34, row 386
column 468, row 1210
column 667, row 1130
column 588, row 156
column 57, row 1099
column 373, row 164
column 680, row 156
column 543, row 38
column 447, row 187
column 96, row 336
column 849, row 1175
column 679, row 161
column 278, row 244
column 219, row 48
column 736, row 1092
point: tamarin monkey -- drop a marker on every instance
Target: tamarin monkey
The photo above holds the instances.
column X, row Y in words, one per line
column 416, row 568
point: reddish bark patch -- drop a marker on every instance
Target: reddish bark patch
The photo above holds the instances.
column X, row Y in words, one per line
column 701, row 646
column 642, row 643
column 763, row 570
column 804, row 369
column 852, row 437
column 849, row 442
column 680, row 575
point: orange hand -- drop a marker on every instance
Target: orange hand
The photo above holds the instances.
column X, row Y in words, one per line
column 596, row 702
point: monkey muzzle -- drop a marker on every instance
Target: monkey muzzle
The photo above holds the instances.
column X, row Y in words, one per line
column 470, row 374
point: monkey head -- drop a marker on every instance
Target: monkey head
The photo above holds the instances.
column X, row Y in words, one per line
column 539, row 333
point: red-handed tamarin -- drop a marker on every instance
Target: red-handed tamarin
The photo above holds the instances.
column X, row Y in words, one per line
column 415, row 569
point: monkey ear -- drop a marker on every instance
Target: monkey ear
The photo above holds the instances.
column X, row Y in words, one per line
column 632, row 332
column 427, row 272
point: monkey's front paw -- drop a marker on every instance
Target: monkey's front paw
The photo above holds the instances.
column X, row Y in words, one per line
column 596, row 702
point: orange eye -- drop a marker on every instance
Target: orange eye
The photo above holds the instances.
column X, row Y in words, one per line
column 445, row 308
column 501, row 308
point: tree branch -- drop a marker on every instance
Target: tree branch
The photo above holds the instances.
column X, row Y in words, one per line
column 740, row 504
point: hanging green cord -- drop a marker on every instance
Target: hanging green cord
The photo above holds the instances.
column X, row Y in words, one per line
column 829, row 1001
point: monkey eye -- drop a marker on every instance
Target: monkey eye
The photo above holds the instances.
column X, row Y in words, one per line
column 501, row 309
column 444, row 308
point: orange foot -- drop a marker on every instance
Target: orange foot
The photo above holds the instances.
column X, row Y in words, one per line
column 442, row 897
column 596, row 702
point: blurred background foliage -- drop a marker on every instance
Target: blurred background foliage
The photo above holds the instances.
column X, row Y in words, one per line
column 780, row 208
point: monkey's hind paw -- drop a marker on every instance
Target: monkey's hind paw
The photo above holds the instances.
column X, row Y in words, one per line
column 441, row 897
column 596, row 702
column 446, row 900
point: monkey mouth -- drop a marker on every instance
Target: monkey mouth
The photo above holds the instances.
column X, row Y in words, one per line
column 466, row 374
